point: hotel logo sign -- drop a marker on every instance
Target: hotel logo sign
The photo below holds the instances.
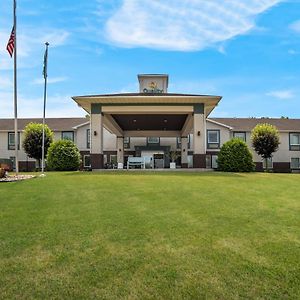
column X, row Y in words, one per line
column 152, row 88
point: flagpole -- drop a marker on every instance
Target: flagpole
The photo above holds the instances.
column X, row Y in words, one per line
column 44, row 111
column 15, row 91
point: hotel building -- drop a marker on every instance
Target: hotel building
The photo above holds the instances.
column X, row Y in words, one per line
column 152, row 123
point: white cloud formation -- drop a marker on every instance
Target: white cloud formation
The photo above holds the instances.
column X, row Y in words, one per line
column 29, row 42
column 183, row 25
column 295, row 26
column 33, row 107
column 281, row 94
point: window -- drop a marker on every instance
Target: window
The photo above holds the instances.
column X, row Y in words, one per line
column 87, row 161
column 178, row 142
column 295, row 141
column 213, row 139
column 269, row 162
column 211, row 161
column 214, row 163
column 13, row 160
column 240, row 135
column 153, row 140
column 11, row 140
column 113, row 159
column 126, row 142
column 295, row 163
column 67, row 135
column 190, row 161
column 88, row 138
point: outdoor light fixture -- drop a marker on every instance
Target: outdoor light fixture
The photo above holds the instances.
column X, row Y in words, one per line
column 165, row 120
column 120, row 150
column 198, row 133
column 183, row 150
column 95, row 133
column 134, row 121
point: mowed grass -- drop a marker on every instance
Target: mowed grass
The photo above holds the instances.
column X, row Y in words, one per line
column 151, row 236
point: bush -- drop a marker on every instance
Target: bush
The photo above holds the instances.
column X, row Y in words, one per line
column 2, row 173
column 265, row 140
column 33, row 137
column 235, row 156
column 63, row 155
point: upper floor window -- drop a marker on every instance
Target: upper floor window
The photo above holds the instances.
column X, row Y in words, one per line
column 153, row 140
column 11, row 140
column 88, row 138
column 67, row 135
column 295, row 163
column 240, row 135
column 213, row 139
column 126, row 142
column 295, row 141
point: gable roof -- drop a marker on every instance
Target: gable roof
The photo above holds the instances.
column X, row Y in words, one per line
column 55, row 124
column 247, row 124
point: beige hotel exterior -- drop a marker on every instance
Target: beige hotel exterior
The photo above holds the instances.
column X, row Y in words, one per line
column 151, row 123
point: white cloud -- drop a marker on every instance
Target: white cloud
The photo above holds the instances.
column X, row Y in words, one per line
column 281, row 94
column 30, row 41
column 295, row 26
column 49, row 80
column 57, row 106
column 182, row 25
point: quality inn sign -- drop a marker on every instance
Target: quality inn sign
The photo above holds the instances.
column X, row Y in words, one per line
column 153, row 89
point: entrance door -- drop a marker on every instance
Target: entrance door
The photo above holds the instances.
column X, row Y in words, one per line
column 153, row 159
column 159, row 161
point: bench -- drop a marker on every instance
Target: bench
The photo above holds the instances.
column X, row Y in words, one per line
column 136, row 161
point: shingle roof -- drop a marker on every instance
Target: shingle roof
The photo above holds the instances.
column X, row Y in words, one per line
column 238, row 124
column 56, row 124
column 247, row 124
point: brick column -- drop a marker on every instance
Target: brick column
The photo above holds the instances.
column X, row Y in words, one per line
column 96, row 137
column 120, row 150
column 199, row 137
column 184, row 152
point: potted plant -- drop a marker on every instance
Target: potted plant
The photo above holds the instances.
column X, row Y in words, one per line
column 173, row 156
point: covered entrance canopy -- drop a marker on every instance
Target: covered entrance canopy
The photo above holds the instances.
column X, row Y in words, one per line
column 150, row 113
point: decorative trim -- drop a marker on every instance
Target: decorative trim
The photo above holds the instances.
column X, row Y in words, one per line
column 96, row 108
column 199, row 108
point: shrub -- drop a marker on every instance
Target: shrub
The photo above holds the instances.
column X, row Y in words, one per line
column 63, row 155
column 265, row 140
column 2, row 172
column 235, row 156
column 33, row 137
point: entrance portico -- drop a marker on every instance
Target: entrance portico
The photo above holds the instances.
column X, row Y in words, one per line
column 151, row 113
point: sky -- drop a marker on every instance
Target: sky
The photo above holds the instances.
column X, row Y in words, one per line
column 248, row 52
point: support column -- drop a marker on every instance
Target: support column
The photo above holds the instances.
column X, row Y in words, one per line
column 199, row 137
column 120, row 152
column 184, row 152
column 96, row 137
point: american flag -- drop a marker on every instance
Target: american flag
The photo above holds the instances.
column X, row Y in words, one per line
column 11, row 42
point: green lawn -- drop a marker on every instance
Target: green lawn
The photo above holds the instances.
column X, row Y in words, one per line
column 151, row 236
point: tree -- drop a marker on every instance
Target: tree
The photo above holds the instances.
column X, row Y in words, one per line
column 63, row 155
column 235, row 156
column 265, row 140
column 33, row 137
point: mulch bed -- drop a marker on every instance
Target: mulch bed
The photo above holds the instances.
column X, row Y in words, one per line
column 14, row 178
